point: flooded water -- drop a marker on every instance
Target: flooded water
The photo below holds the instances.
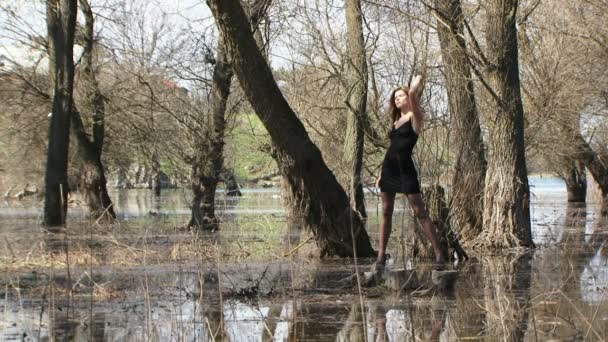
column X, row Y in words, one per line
column 146, row 278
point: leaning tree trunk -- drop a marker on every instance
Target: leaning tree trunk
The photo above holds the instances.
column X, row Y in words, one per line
column 312, row 185
column 570, row 165
column 506, row 216
column 595, row 165
column 61, row 24
column 92, row 175
column 356, row 102
column 466, row 200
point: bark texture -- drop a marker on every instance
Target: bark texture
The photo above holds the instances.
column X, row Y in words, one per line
column 61, row 24
column 356, row 102
column 506, row 216
column 210, row 159
column 596, row 166
column 92, row 179
column 313, row 187
column 576, row 180
column 466, row 198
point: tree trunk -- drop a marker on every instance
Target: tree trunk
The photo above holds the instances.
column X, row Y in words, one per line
column 61, row 23
column 312, row 185
column 230, row 184
column 92, row 175
column 576, row 181
column 356, row 101
column 92, row 179
column 595, row 165
column 155, row 181
column 203, row 201
column 210, row 157
column 506, row 217
column 466, row 200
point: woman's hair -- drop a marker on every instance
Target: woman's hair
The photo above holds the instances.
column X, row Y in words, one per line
column 394, row 112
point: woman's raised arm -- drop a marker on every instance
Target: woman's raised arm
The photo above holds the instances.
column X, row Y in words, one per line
column 415, row 90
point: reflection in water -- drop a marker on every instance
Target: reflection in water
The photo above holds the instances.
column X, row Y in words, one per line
column 141, row 280
column 594, row 276
column 507, row 293
column 426, row 319
column 283, row 326
column 244, row 322
column 594, row 279
column 141, row 203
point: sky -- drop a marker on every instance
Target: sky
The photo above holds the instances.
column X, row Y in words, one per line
column 21, row 19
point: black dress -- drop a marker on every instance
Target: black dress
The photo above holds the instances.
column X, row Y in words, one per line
column 398, row 169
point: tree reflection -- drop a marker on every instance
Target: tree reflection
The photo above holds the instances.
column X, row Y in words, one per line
column 506, row 296
column 571, row 283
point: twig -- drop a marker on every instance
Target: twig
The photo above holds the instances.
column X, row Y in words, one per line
column 595, row 314
column 103, row 214
column 298, row 246
column 581, row 315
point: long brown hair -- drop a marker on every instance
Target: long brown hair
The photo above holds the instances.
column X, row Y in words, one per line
column 393, row 112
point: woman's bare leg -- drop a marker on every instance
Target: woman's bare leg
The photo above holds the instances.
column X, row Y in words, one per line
column 422, row 214
column 388, row 204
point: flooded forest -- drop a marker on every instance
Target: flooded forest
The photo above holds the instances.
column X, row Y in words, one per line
column 213, row 170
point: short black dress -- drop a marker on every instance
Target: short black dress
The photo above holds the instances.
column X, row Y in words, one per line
column 398, row 169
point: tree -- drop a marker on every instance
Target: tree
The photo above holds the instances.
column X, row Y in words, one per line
column 208, row 156
column 565, row 91
column 92, row 173
column 61, row 25
column 466, row 204
column 314, row 189
column 356, row 102
column 208, row 160
column 506, row 216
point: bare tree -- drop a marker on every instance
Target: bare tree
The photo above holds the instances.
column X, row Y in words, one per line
column 208, row 157
column 208, row 160
column 506, row 218
column 357, row 103
column 466, row 202
column 318, row 195
column 61, row 26
column 564, row 90
column 92, row 173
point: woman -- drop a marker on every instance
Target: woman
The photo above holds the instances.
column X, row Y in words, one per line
column 398, row 171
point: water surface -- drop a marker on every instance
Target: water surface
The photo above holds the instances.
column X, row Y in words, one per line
column 146, row 278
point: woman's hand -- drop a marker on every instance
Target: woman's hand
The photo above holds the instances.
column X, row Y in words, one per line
column 378, row 181
column 416, row 86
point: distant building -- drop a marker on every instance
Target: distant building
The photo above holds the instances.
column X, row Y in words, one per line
column 181, row 91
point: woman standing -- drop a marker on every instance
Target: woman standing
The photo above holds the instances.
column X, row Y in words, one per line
column 398, row 170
